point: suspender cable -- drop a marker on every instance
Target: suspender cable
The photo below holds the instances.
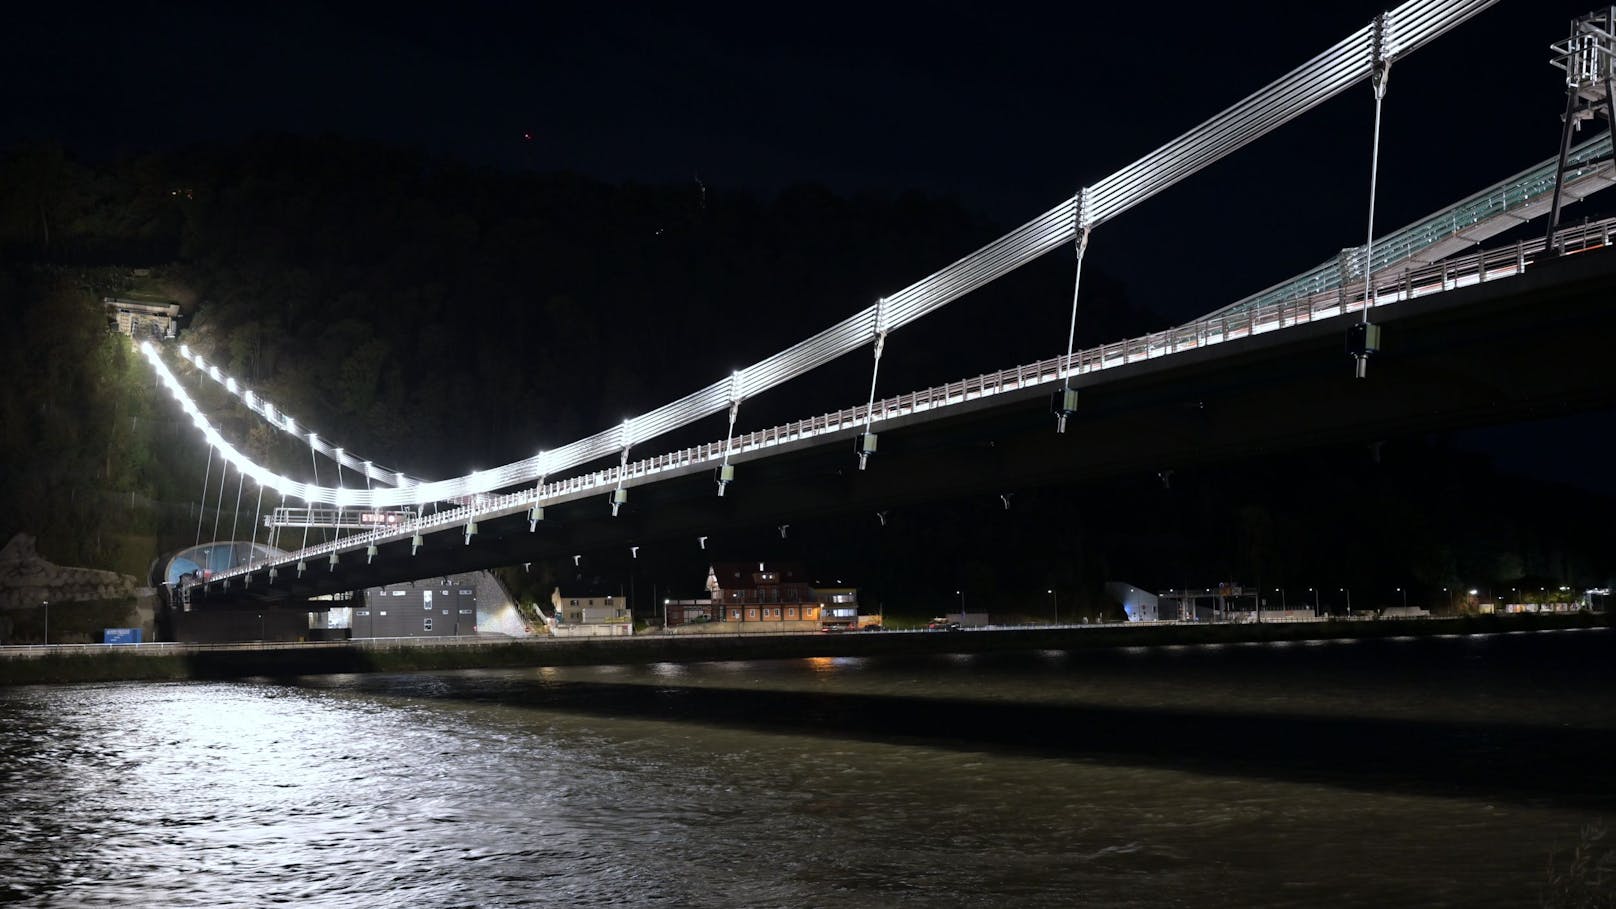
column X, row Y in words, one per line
column 1068, row 401
column 275, row 531
column 235, row 519
column 252, row 553
column 867, row 440
column 1377, row 79
column 201, row 507
column 1383, row 70
column 339, row 498
column 218, row 512
column 619, row 494
column 535, row 514
column 726, row 473
column 308, row 517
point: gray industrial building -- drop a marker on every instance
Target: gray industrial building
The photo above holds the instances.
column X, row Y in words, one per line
column 434, row 607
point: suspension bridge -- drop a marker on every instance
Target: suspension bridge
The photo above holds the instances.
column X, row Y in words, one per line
column 1436, row 318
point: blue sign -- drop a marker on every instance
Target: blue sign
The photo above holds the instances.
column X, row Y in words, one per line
column 121, row 636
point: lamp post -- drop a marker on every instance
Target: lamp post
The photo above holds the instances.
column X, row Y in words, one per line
column 1349, row 601
column 46, row 604
column 1405, row 596
column 1315, row 592
column 962, row 605
column 1051, row 592
column 260, row 627
column 1450, row 600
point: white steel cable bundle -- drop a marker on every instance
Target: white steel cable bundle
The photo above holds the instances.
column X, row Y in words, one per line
column 1412, row 24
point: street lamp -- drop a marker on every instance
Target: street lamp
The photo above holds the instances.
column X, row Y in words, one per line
column 1051, row 592
column 260, row 626
column 1349, row 601
column 962, row 604
column 1315, row 593
column 46, row 604
column 1405, row 596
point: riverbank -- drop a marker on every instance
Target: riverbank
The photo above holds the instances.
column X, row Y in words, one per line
column 153, row 662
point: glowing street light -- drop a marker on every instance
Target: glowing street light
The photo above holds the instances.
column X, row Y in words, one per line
column 1051, row 592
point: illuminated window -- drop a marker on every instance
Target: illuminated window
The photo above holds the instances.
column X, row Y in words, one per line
column 426, row 624
column 382, row 612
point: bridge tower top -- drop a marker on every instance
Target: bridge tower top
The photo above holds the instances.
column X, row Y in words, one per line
column 1588, row 58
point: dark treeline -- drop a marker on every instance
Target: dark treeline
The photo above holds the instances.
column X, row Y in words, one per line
column 441, row 318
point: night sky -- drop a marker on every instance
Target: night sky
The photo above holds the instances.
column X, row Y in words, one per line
column 1008, row 108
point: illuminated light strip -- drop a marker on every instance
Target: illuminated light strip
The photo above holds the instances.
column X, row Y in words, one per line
column 1413, row 24
column 342, row 497
column 283, row 421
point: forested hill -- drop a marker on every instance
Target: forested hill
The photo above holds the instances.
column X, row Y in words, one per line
column 442, row 317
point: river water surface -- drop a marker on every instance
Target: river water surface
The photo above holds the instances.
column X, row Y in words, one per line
column 1433, row 772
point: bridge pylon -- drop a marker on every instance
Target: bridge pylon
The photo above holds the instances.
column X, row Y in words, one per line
column 1588, row 58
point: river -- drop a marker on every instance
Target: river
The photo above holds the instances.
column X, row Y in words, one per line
column 1430, row 772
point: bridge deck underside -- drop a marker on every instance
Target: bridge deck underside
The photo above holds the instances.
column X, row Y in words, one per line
column 1520, row 348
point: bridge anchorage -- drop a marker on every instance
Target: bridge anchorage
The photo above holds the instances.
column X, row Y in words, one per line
column 1443, row 252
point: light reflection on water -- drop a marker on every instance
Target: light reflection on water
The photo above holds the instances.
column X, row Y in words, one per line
column 1038, row 779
